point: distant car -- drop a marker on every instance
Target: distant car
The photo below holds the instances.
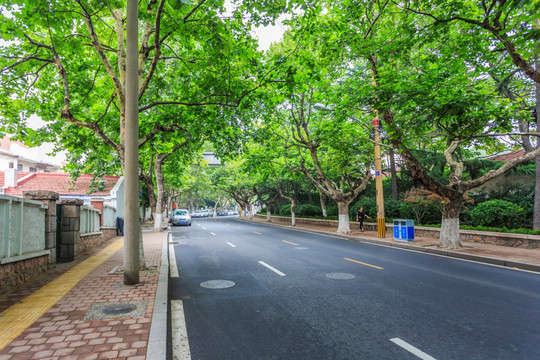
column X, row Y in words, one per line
column 181, row 217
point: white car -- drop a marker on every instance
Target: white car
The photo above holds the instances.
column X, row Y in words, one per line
column 181, row 217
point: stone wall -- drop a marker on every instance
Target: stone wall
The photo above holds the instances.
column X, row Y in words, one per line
column 17, row 271
column 502, row 239
column 70, row 234
column 90, row 241
column 21, row 272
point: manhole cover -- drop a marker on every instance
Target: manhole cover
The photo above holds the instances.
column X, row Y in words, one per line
column 300, row 248
column 217, row 284
column 340, row 276
column 117, row 309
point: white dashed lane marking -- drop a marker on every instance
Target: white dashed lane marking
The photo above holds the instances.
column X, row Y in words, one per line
column 272, row 268
column 422, row 355
column 180, row 343
column 231, row 245
column 172, row 262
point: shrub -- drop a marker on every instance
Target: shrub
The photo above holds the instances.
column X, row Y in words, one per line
column 498, row 213
column 332, row 211
column 286, row 210
column 369, row 205
column 392, row 208
column 406, row 212
column 308, row 210
column 519, row 194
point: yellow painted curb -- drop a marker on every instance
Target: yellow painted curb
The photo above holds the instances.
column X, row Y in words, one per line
column 17, row 318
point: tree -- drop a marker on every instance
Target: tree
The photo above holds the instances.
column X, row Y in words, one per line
column 339, row 167
column 425, row 91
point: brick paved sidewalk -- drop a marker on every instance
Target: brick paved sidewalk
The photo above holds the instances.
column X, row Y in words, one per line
column 69, row 331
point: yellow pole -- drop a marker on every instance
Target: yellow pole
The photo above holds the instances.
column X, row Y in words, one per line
column 381, row 225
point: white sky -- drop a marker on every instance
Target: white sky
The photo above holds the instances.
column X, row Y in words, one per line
column 266, row 35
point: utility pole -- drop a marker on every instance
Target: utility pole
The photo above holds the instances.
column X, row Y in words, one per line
column 131, row 172
column 381, row 224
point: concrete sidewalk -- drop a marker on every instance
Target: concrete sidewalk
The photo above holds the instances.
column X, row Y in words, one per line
column 81, row 310
column 517, row 258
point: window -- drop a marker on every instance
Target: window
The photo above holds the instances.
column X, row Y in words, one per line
column 11, row 164
column 32, row 169
column 19, row 167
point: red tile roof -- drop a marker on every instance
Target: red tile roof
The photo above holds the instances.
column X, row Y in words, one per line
column 508, row 156
column 60, row 183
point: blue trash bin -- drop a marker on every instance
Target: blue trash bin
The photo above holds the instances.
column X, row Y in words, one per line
column 404, row 230
column 397, row 229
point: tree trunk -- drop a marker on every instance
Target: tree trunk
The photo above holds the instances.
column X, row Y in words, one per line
column 250, row 211
column 293, row 215
column 160, row 184
column 142, row 261
column 324, row 204
column 151, row 192
column 449, row 238
column 216, row 205
column 268, row 213
column 393, row 172
column 343, row 215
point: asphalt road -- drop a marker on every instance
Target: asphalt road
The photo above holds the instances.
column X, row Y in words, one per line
column 250, row 291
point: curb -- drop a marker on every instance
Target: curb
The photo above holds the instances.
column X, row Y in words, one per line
column 157, row 340
column 441, row 252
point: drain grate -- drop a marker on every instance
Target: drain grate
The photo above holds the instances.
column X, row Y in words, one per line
column 118, row 309
column 123, row 309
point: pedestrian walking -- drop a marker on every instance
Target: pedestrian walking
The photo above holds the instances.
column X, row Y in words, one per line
column 360, row 215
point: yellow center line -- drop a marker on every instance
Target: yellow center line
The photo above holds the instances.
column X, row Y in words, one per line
column 359, row 262
column 258, row 233
column 288, row 242
column 17, row 318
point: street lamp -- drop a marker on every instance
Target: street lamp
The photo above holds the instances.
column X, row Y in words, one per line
column 381, row 224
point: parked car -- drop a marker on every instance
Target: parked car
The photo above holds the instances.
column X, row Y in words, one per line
column 181, row 217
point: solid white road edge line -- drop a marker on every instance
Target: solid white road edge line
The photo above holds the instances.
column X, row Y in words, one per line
column 180, row 343
column 172, row 262
column 422, row 355
column 231, row 245
column 272, row 268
